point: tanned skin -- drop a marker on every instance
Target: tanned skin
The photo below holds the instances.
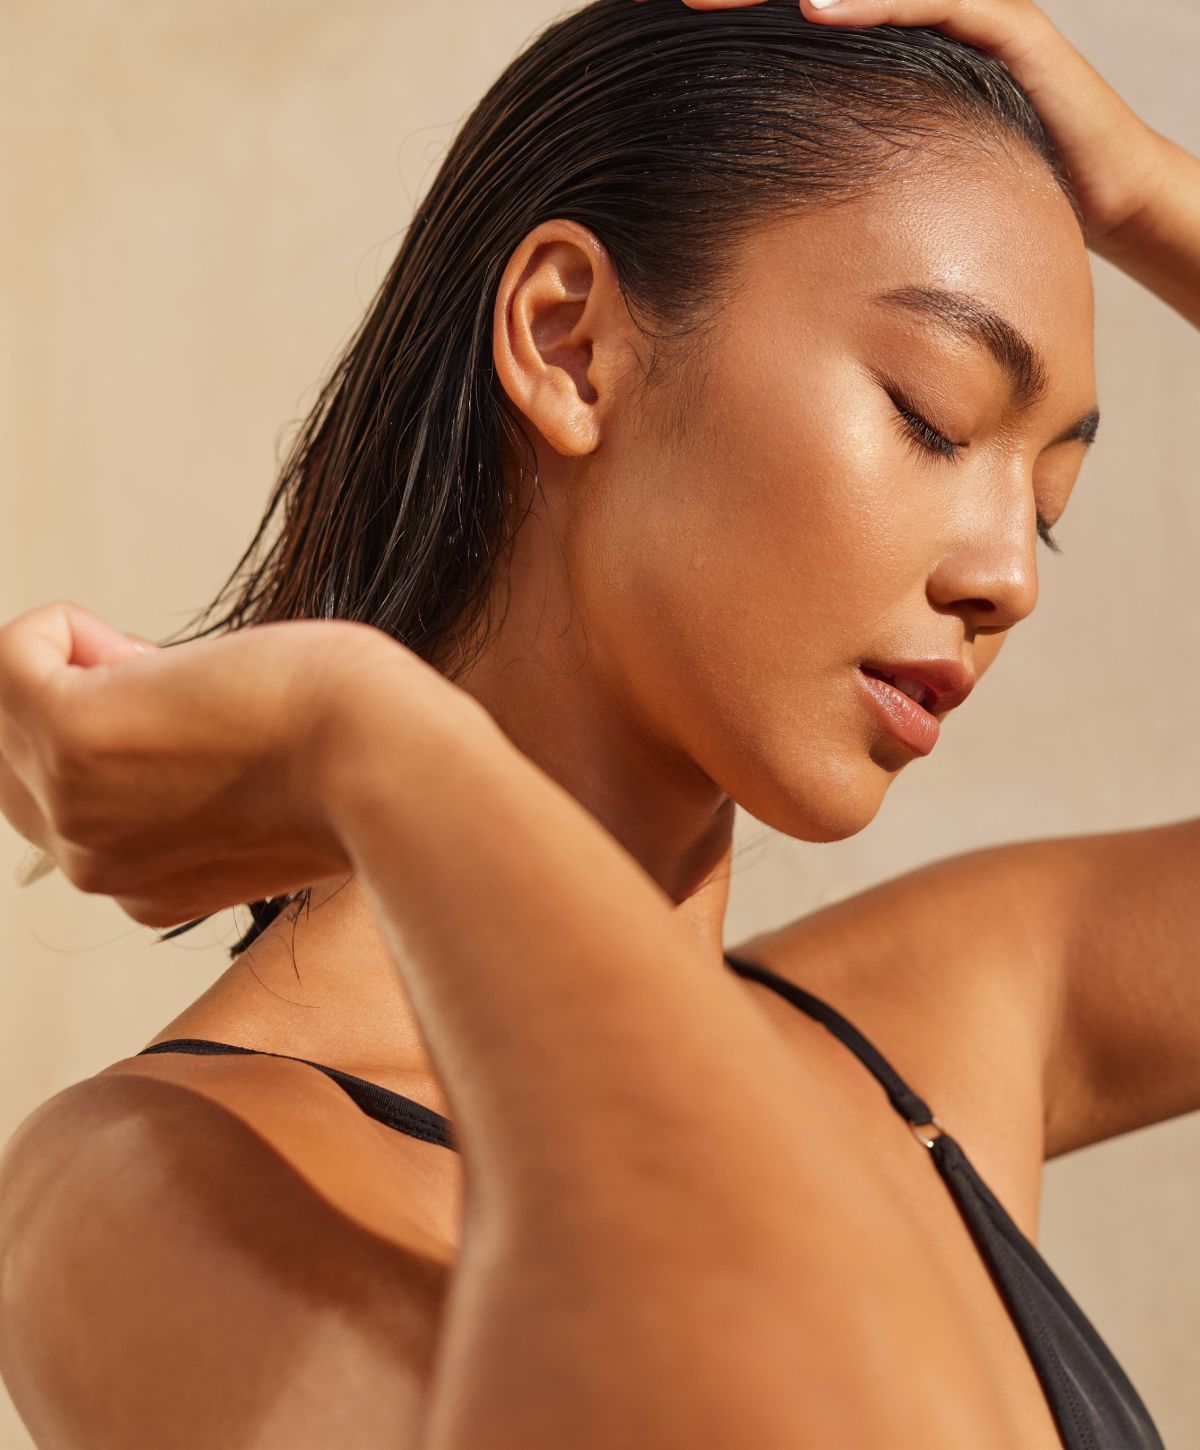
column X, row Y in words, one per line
column 689, row 606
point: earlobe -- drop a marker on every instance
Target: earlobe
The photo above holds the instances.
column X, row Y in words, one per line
column 548, row 324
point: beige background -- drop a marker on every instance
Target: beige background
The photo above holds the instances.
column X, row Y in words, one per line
column 199, row 201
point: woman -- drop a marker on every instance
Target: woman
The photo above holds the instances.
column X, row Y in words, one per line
column 746, row 356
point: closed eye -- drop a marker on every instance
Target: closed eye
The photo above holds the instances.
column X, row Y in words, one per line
column 931, row 441
column 925, row 433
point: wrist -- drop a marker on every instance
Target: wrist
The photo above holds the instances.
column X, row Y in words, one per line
column 1158, row 242
column 1157, row 165
column 384, row 715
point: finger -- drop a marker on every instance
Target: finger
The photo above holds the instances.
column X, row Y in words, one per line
column 990, row 24
column 96, row 642
column 38, row 645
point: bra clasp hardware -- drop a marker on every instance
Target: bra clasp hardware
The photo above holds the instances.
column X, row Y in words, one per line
column 918, row 1129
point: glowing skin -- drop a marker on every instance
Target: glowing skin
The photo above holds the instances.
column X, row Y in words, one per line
column 709, row 559
column 729, row 580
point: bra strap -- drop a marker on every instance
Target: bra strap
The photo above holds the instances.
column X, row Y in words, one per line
column 394, row 1110
column 904, row 1100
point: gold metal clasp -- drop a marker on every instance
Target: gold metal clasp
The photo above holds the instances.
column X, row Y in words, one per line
column 921, row 1138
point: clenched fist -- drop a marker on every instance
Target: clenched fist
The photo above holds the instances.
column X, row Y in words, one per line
column 179, row 780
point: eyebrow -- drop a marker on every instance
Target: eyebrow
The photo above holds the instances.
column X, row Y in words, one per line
column 968, row 316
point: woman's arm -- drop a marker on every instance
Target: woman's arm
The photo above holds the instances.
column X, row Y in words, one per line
column 666, row 1240
column 1159, row 244
column 670, row 1234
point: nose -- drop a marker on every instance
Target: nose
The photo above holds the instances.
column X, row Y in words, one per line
column 988, row 572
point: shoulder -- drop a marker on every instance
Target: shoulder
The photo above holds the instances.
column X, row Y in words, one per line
column 402, row 1189
column 941, row 968
column 166, row 1261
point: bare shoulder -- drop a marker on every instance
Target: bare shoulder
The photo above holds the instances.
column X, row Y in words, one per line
column 403, row 1189
column 945, row 970
column 1045, row 986
column 172, row 1264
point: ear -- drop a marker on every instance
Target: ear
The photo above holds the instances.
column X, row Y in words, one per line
column 559, row 334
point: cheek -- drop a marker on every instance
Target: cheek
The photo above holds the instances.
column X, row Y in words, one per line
column 730, row 586
column 808, row 496
column 773, row 544
column 762, row 558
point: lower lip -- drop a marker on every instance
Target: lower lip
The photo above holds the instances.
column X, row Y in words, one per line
column 906, row 720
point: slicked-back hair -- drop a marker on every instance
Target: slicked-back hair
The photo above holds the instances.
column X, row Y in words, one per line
column 669, row 133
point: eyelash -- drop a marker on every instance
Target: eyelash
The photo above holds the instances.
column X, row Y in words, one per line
column 934, row 442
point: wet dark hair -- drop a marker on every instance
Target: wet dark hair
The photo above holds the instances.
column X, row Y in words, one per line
column 668, row 132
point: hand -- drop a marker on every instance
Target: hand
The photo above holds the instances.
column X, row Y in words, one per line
column 176, row 780
column 1117, row 163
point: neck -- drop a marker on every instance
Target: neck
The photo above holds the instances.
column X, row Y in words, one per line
column 320, row 982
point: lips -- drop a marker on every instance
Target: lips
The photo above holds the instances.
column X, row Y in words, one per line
column 938, row 686
column 914, row 689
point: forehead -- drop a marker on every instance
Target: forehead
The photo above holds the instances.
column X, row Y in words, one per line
column 998, row 229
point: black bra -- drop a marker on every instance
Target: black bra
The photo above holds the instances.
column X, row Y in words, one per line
column 1094, row 1404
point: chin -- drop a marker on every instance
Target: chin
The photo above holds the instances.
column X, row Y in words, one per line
column 844, row 800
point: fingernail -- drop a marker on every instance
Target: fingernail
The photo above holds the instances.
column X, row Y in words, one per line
column 822, row 4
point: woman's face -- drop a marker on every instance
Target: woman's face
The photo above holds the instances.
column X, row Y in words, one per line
column 747, row 532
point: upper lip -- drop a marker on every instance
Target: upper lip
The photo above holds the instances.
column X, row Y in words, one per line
column 948, row 682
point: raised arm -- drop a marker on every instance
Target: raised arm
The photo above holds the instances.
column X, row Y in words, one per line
column 669, row 1237
column 1085, row 944
column 664, row 1244
column 1115, row 916
column 1159, row 243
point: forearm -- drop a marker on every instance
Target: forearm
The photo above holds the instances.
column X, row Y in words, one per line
column 667, row 1240
column 1159, row 244
column 552, row 980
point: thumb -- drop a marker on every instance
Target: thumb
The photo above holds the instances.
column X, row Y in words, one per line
column 96, row 642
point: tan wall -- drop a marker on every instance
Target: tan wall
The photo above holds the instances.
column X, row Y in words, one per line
column 198, row 202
